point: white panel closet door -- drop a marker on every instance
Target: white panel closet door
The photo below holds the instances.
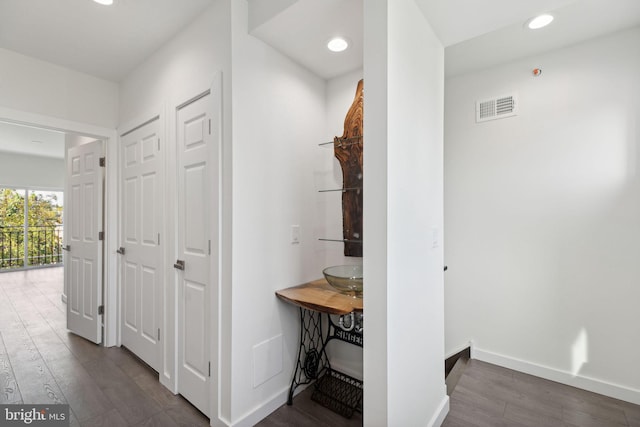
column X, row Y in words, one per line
column 83, row 218
column 141, row 274
column 195, row 173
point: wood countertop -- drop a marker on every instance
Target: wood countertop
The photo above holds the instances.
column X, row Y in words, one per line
column 320, row 296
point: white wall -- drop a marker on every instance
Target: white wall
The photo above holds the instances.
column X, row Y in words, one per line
column 403, row 257
column 180, row 70
column 541, row 213
column 35, row 86
column 34, row 172
column 181, row 67
column 278, row 121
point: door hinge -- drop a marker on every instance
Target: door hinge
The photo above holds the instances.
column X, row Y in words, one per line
column 101, row 309
column 158, row 239
column 209, row 126
column 158, row 334
column 158, row 144
column 209, row 247
column 101, row 235
column 209, row 368
column 103, row 162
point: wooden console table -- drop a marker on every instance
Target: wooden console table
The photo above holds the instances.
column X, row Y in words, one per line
column 335, row 390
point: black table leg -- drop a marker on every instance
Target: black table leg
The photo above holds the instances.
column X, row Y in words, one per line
column 312, row 359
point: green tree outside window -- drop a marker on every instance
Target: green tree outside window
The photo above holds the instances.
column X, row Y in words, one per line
column 44, row 228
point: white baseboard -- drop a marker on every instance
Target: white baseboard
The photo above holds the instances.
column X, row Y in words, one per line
column 441, row 413
column 591, row 384
column 469, row 345
column 266, row 408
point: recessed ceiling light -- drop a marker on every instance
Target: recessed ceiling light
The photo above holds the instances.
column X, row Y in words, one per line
column 539, row 22
column 105, row 2
column 337, row 44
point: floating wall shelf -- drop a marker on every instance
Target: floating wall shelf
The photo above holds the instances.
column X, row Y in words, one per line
column 348, row 150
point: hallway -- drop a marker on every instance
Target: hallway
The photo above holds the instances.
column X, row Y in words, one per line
column 41, row 362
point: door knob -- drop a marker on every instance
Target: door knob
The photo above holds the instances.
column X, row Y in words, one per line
column 66, row 248
column 179, row 265
column 120, row 250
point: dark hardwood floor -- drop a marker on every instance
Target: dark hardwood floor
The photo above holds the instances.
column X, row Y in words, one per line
column 41, row 362
column 491, row 396
column 305, row 412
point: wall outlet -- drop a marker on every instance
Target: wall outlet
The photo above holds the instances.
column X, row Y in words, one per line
column 295, row 234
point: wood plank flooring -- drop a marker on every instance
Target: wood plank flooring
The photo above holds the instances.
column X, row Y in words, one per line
column 41, row 362
column 491, row 396
column 305, row 412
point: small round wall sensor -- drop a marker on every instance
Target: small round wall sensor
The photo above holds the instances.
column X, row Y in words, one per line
column 537, row 72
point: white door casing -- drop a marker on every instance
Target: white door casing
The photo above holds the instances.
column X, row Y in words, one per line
column 141, row 271
column 197, row 172
column 83, row 263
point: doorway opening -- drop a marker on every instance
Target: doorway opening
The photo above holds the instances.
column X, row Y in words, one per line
column 33, row 167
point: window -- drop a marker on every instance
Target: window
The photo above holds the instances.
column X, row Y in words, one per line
column 31, row 228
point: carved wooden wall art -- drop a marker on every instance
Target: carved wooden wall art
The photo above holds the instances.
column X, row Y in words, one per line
column 348, row 151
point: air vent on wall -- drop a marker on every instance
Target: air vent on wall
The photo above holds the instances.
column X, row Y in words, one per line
column 496, row 108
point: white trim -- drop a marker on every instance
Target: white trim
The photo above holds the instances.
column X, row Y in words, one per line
column 564, row 377
column 150, row 116
column 267, row 408
column 440, row 414
column 217, row 202
column 54, row 123
column 169, row 375
column 469, row 346
column 214, row 88
column 111, row 207
column 109, row 136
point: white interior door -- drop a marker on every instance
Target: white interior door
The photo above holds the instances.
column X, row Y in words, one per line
column 83, row 220
column 141, row 274
column 196, row 172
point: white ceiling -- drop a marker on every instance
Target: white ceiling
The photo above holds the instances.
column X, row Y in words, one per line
column 31, row 141
column 455, row 21
column 109, row 42
column 574, row 22
column 302, row 29
column 104, row 41
column 476, row 34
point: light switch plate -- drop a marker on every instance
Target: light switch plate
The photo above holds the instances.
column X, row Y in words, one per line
column 295, row 234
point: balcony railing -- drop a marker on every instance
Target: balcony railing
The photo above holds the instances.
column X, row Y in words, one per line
column 43, row 246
